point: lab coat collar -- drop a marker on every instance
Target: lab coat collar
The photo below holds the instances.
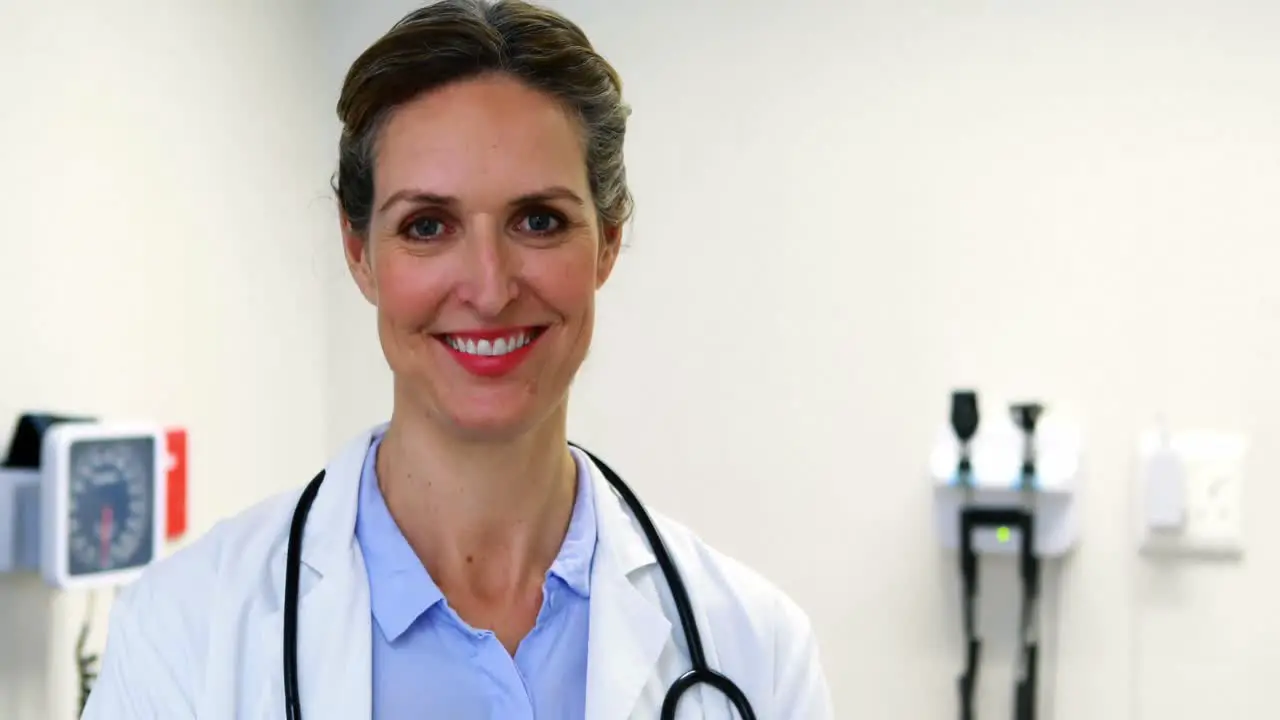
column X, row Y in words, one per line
column 334, row 667
column 616, row 530
column 329, row 537
column 628, row 629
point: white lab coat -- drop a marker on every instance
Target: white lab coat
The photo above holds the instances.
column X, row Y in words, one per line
column 199, row 635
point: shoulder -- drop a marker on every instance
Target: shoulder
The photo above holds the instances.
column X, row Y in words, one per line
column 729, row 582
column 231, row 550
column 186, row 634
column 730, row 586
column 163, row 624
column 758, row 630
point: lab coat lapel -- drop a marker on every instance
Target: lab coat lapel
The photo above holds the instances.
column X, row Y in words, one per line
column 334, row 655
column 334, row 625
column 628, row 630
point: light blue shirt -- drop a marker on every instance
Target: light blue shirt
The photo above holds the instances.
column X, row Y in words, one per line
column 428, row 663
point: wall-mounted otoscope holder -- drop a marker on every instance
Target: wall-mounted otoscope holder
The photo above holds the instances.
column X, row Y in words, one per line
column 1025, row 457
column 1005, row 488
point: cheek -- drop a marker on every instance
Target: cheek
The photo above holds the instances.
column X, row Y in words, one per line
column 409, row 289
column 567, row 284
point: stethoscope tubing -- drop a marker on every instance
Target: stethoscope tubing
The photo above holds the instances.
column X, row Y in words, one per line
column 700, row 673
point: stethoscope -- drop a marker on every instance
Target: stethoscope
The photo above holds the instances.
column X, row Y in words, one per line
column 699, row 673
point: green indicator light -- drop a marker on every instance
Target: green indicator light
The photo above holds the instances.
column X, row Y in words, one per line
column 1003, row 534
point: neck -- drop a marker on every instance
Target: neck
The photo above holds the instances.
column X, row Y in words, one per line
column 485, row 518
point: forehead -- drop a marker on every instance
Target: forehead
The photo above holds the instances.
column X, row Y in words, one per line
column 489, row 138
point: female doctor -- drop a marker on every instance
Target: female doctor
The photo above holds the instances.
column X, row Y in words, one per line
column 464, row 561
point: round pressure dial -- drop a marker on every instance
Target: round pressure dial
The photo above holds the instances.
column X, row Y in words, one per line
column 111, row 504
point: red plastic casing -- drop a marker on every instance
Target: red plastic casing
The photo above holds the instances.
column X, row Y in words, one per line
column 176, row 513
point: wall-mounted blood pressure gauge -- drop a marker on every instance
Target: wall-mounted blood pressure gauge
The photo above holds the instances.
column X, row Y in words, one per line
column 102, row 502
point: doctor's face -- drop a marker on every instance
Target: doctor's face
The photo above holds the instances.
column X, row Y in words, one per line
column 483, row 256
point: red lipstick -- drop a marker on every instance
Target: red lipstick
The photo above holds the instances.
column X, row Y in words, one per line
column 490, row 353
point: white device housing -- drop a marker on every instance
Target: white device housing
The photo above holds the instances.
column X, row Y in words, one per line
column 996, row 456
column 55, row 484
column 1164, row 485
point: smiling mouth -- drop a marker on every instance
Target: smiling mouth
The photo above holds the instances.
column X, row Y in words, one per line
column 491, row 344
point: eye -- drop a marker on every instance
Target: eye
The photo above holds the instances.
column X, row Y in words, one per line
column 541, row 223
column 425, row 228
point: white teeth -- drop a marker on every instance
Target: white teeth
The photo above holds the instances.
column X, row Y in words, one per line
column 501, row 346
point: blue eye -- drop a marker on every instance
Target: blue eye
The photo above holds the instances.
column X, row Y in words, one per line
column 425, row 228
column 540, row 223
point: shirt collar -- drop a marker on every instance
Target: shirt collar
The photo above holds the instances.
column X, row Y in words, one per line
column 573, row 564
column 400, row 588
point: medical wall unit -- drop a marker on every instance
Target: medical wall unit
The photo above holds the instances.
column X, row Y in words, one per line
column 89, row 504
column 1004, row 486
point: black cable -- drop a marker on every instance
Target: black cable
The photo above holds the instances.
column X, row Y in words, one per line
column 86, row 663
column 1028, row 627
column 973, row 519
column 973, row 645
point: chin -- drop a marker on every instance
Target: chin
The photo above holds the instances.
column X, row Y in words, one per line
column 488, row 410
column 492, row 428
column 490, row 416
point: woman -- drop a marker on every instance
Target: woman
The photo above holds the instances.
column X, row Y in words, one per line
column 463, row 561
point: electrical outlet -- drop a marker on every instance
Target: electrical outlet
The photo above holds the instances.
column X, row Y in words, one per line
column 1214, row 467
column 1215, row 485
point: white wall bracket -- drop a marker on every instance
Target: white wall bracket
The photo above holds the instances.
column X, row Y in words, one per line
column 19, row 520
column 996, row 481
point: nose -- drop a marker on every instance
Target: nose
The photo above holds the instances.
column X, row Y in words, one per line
column 489, row 280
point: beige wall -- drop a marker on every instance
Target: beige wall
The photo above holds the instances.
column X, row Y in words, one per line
column 163, row 173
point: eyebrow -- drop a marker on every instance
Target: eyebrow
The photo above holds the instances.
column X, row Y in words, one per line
column 420, row 197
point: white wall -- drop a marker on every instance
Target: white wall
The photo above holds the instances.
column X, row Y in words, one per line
column 845, row 209
column 163, row 188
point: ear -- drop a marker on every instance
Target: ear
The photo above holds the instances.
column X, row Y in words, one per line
column 610, row 244
column 355, row 246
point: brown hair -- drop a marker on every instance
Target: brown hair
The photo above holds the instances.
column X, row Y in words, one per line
column 455, row 40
